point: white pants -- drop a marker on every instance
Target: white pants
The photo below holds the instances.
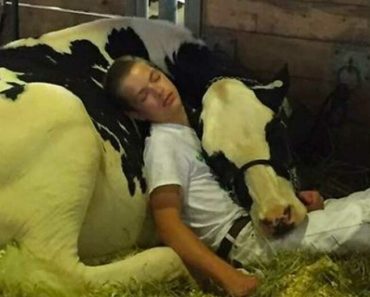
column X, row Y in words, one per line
column 344, row 225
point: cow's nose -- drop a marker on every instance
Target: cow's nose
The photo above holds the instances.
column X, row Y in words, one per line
column 280, row 225
column 282, row 228
column 287, row 214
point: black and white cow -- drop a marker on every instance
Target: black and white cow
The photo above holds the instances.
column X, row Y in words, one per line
column 71, row 182
column 246, row 143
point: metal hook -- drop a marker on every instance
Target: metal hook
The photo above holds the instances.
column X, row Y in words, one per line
column 349, row 75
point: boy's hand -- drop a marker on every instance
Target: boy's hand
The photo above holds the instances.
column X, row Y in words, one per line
column 312, row 200
column 241, row 284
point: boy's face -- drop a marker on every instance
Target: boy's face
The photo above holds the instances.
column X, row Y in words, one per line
column 151, row 94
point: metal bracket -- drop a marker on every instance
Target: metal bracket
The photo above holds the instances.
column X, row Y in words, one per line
column 352, row 66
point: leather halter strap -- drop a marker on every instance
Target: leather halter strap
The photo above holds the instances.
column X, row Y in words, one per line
column 250, row 164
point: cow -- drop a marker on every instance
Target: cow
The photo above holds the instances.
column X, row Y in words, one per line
column 72, row 188
column 235, row 120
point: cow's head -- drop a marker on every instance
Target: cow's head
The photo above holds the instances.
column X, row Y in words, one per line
column 242, row 134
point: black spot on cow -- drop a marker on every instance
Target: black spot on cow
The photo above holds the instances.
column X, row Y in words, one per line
column 194, row 66
column 13, row 92
column 191, row 69
column 81, row 71
column 125, row 42
column 280, row 154
column 230, row 178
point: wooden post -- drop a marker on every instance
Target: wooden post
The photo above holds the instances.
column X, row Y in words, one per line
column 136, row 8
column 167, row 10
column 142, row 8
column 193, row 16
column 15, row 19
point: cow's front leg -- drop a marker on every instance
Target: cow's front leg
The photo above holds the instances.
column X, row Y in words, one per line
column 155, row 264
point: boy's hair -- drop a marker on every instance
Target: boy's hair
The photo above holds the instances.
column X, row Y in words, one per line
column 116, row 73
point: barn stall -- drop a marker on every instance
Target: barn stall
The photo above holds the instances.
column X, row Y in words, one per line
column 326, row 46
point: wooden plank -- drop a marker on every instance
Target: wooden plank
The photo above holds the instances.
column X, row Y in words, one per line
column 101, row 6
column 318, row 20
column 30, row 25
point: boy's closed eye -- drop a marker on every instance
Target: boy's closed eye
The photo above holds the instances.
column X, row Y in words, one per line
column 154, row 76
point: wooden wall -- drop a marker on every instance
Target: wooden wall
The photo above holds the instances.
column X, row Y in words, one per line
column 317, row 38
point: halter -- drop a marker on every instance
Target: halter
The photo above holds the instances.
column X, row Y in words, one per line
column 250, row 164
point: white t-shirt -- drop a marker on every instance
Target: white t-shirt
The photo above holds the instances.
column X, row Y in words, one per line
column 172, row 155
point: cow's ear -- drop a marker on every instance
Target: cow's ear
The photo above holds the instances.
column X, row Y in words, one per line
column 272, row 95
column 283, row 75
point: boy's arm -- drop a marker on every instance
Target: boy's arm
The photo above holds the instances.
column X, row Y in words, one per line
column 165, row 202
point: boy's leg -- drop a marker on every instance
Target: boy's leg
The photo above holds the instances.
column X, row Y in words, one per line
column 344, row 225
